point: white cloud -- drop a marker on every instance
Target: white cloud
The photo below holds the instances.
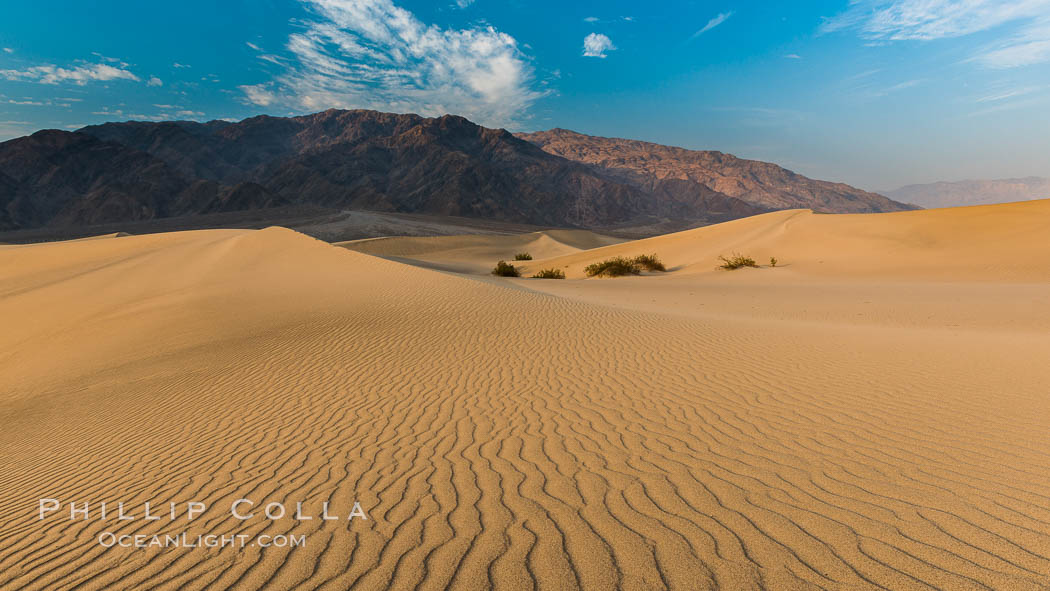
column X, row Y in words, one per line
column 373, row 54
column 259, row 94
column 590, row 19
column 464, row 3
column 154, row 81
column 927, row 20
column 596, row 44
column 189, row 114
column 178, row 65
column 721, row 18
column 8, row 50
column 253, row 46
column 80, row 75
column 165, row 106
column 793, row 56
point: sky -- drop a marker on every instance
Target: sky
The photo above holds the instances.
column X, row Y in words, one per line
column 875, row 93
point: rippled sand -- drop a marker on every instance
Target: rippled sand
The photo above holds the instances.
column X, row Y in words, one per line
column 872, row 413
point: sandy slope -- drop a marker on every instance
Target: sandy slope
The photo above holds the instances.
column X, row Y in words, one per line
column 502, row 437
column 991, row 242
column 479, row 253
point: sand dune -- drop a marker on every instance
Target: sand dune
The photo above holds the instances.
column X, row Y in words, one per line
column 992, row 242
column 478, row 253
column 607, row 437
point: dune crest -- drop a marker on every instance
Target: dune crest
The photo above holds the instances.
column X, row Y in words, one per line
column 989, row 242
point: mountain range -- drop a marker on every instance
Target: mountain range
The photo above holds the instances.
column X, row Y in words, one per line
column 368, row 160
column 973, row 192
column 667, row 170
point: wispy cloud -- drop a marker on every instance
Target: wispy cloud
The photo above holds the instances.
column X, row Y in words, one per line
column 596, row 44
column 131, row 116
column 721, row 18
column 374, row 54
column 154, row 81
column 590, row 19
column 880, row 21
column 1030, row 45
column 1005, row 94
column 80, row 74
column 1001, row 106
column 8, row 50
column 899, row 86
column 793, row 56
column 178, row 65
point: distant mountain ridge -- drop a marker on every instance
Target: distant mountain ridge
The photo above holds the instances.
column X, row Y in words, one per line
column 973, row 192
column 660, row 168
column 361, row 159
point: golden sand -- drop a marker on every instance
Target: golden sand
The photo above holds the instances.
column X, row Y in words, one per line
column 873, row 413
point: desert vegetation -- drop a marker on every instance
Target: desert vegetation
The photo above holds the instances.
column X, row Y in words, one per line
column 736, row 261
column 650, row 262
column 772, row 261
column 505, row 269
column 550, row 274
column 619, row 266
column 523, row 256
column 614, row 267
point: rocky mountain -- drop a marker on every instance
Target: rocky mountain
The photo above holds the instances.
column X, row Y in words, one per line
column 669, row 170
column 973, row 192
column 60, row 178
column 360, row 159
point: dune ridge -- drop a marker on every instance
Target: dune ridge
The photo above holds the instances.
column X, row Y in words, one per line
column 499, row 437
column 473, row 253
column 989, row 242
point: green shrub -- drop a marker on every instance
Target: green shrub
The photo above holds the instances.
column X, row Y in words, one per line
column 505, row 269
column 650, row 262
column 550, row 274
column 772, row 261
column 523, row 256
column 737, row 261
column 614, row 267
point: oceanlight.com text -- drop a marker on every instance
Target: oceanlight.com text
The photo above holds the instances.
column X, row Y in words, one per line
column 183, row 540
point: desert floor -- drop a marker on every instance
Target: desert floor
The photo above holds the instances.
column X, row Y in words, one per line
column 873, row 413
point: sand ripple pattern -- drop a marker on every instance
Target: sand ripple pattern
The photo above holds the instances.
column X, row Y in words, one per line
column 497, row 438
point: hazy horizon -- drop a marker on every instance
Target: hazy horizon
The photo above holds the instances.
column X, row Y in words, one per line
column 877, row 94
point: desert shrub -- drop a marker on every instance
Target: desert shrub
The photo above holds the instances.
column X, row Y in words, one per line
column 505, row 269
column 550, row 274
column 736, row 261
column 650, row 262
column 772, row 261
column 614, row 267
column 523, row 256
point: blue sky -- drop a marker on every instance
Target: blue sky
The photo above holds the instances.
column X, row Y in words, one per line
column 876, row 93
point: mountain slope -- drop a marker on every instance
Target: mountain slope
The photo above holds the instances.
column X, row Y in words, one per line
column 407, row 163
column 667, row 169
column 63, row 179
column 973, row 192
